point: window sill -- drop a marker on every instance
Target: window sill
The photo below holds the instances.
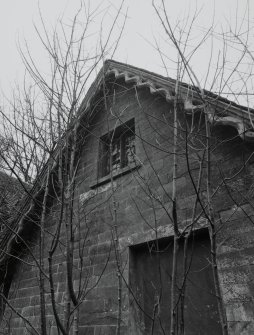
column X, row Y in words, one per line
column 116, row 174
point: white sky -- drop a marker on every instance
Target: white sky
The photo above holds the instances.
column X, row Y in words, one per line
column 142, row 27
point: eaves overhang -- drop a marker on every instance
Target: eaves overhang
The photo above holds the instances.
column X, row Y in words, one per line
column 219, row 110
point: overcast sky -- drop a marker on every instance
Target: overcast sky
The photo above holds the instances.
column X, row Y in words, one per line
column 17, row 19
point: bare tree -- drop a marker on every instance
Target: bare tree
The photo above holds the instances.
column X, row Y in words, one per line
column 68, row 226
column 41, row 128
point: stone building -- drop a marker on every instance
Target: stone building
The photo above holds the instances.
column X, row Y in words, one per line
column 154, row 168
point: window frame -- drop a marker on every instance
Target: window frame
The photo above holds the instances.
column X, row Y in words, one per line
column 119, row 134
column 129, row 125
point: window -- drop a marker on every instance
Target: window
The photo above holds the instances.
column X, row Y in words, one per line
column 117, row 149
column 150, row 282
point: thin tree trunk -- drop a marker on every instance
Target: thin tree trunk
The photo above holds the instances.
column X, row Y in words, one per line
column 117, row 251
column 76, row 322
column 173, row 310
column 52, row 250
column 222, row 313
column 42, row 246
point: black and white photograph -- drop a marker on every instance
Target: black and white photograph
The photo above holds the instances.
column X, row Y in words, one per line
column 127, row 167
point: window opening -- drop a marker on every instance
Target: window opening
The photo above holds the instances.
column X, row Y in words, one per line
column 122, row 153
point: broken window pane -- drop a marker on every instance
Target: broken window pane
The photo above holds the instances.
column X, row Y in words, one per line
column 129, row 152
column 116, row 154
column 122, row 151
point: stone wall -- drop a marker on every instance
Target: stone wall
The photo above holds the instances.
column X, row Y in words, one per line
column 142, row 202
